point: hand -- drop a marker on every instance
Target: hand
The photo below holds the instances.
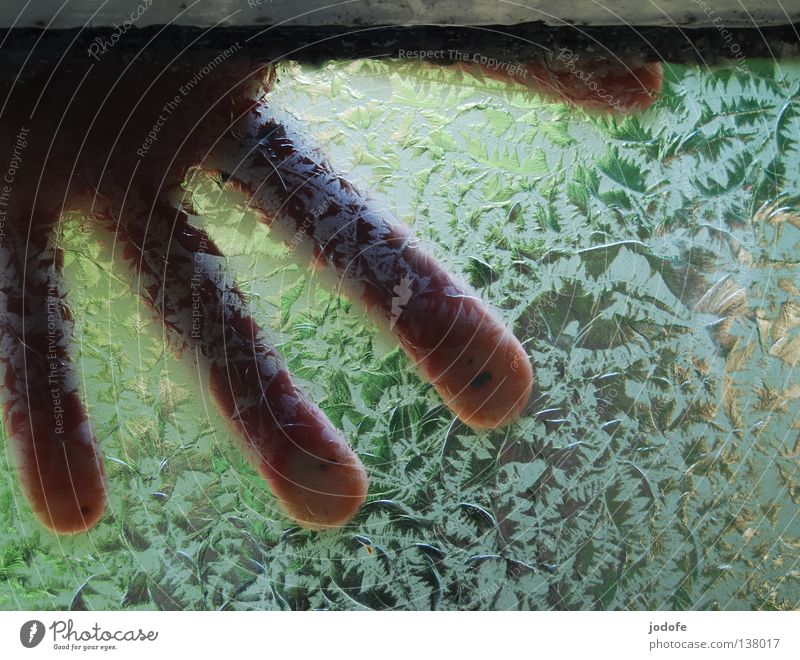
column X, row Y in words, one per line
column 119, row 154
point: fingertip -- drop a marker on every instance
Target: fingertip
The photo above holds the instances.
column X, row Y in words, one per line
column 65, row 488
column 316, row 477
column 321, row 491
column 74, row 517
column 490, row 385
column 311, row 469
column 60, row 471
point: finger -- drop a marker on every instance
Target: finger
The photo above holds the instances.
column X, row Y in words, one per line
column 308, row 464
column 56, row 455
column 471, row 358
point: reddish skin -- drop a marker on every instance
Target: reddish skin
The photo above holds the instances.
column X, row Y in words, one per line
column 91, row 157
column 308, row 464
column 56, row 455
column 478, row 367
column 604, row 86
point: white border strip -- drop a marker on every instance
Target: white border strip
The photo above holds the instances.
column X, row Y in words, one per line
column 401, row 635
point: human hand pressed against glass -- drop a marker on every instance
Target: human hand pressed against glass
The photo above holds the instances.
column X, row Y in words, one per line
column 114, row 141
